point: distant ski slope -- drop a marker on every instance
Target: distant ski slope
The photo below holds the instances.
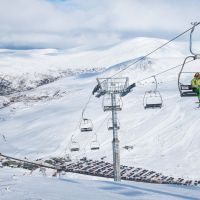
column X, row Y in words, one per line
column 165, row 140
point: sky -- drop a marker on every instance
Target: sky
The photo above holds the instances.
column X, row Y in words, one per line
column 91, row 24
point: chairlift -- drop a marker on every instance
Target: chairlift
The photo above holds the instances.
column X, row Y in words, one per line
column 94, row 144
column 74, row 145
column 110, row 125
column 86, row 125
column 153, row 98
column 108, row 105
column 186, row 89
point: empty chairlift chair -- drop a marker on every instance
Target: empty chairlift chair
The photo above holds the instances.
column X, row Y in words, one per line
column 94, row 144
column 110, row 125
column 86, row 125
column 152, row 98
column 74, row 146
column 107, row 103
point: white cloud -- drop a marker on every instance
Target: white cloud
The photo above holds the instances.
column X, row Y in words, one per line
column 90, row 23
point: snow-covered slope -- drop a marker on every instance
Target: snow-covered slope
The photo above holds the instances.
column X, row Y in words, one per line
column 165, row 140
column 45, row 60
column 21, row 186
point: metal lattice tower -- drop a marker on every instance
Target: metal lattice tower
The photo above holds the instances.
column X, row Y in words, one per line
column 113, row 87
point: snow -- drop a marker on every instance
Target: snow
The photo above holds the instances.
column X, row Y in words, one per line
column 165, row 140
column 45, row 60
column 22, row 186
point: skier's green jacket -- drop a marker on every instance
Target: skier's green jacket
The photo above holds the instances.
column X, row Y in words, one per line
column 196, row 86
column 195, row 82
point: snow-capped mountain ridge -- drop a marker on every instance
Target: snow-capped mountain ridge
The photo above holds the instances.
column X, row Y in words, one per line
column 41, row 60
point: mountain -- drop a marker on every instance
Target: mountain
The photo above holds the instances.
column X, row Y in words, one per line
column 44, row 91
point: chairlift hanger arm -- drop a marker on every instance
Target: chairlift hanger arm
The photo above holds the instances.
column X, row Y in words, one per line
column 72, row 138
column 82, row 114
column 95, row 136
column 156, row 83
column 191, row 33
column 183, row 65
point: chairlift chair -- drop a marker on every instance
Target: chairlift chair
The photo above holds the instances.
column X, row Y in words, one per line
column 107, row 103
column 86, row 125
column 153, row 98
column 94, row 145
column 110, row 125
column 74, row 145
column 186, row 89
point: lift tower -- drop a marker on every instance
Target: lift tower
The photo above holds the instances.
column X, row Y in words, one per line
column 114, row 87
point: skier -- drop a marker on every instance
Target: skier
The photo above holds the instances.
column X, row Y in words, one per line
column 196, row 84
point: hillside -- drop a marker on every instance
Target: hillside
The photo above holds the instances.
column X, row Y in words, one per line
column 50, row 87
column 22, row 186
